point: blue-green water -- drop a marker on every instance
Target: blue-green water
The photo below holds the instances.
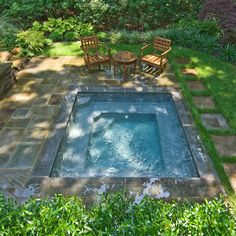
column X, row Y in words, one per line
column 124, row 135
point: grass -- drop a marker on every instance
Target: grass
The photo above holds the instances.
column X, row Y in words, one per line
column 218, row 77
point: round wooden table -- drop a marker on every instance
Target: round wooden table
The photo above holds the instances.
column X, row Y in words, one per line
column 124, row 58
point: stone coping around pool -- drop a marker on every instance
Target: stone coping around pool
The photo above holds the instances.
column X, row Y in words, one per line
column 44, row 164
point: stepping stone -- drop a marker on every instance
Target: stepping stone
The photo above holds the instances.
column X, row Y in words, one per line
column 190, row 72
column 182, row 60
column 225, row 145
column 204, row 102
column 214, row 121
column 230, row 170
column 196, row 85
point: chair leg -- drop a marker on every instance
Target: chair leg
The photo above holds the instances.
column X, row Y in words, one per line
column 99, row 66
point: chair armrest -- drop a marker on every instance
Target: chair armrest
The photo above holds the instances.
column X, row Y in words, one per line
column 164, row 53
column 144, row 47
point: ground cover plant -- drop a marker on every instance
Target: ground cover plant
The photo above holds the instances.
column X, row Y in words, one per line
column 115, row 214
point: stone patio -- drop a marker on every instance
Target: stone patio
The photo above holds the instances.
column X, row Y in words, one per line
column 28, row 110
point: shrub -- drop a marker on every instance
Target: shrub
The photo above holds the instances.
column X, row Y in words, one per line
column 68, row 29
column 40, row 35
column 32, row 41
column 118, row 14
column 115, row 214
column 200, row 36
column 8, row 33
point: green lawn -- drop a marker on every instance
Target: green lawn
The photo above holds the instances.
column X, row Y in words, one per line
column 218, row 76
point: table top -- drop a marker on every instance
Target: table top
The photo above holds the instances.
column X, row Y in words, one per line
column 125, row 57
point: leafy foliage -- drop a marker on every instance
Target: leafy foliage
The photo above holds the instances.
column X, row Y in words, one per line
column 201, row 36
column 40, row 35
column 129, row 14
column 32, row 41
column 7, row 34
column 116, row 214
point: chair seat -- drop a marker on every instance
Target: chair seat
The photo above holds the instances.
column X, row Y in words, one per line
column 154, row 60
column 96, row 59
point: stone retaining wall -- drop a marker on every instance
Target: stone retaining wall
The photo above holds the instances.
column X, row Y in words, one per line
column 7, row 78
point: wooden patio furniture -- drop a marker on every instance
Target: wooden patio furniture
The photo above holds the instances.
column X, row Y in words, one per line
column 158, row 59
column 90, row 46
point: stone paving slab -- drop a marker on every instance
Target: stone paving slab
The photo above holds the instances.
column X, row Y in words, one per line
column 18, row 123
column 44, row 111
column 214, row 121
column 24, row 156
column 4, row 116
column 204, row 102
column 21, row 113
column 196, row 85
column 230, row 170
column 37, row 122
column 56, row 99
column 225, row 145
column 9, row 139
column 34, row 135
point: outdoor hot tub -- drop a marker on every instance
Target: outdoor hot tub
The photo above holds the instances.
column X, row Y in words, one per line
column 116, row 139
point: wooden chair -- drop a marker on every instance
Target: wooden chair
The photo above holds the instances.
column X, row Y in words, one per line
column 159, row 57
column 90, row 46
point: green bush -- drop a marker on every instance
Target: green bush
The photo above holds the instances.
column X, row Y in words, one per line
column 8, row 33
column 63, row 29
column 32, row 41
column 201, row 36
column 115, row 214
column 137, row 14
column 40, row 35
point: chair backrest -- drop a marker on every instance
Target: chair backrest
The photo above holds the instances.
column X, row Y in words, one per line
column 161, row 44
column 89, row 42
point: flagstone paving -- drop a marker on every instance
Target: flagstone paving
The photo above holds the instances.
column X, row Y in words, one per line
column 28, row 110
